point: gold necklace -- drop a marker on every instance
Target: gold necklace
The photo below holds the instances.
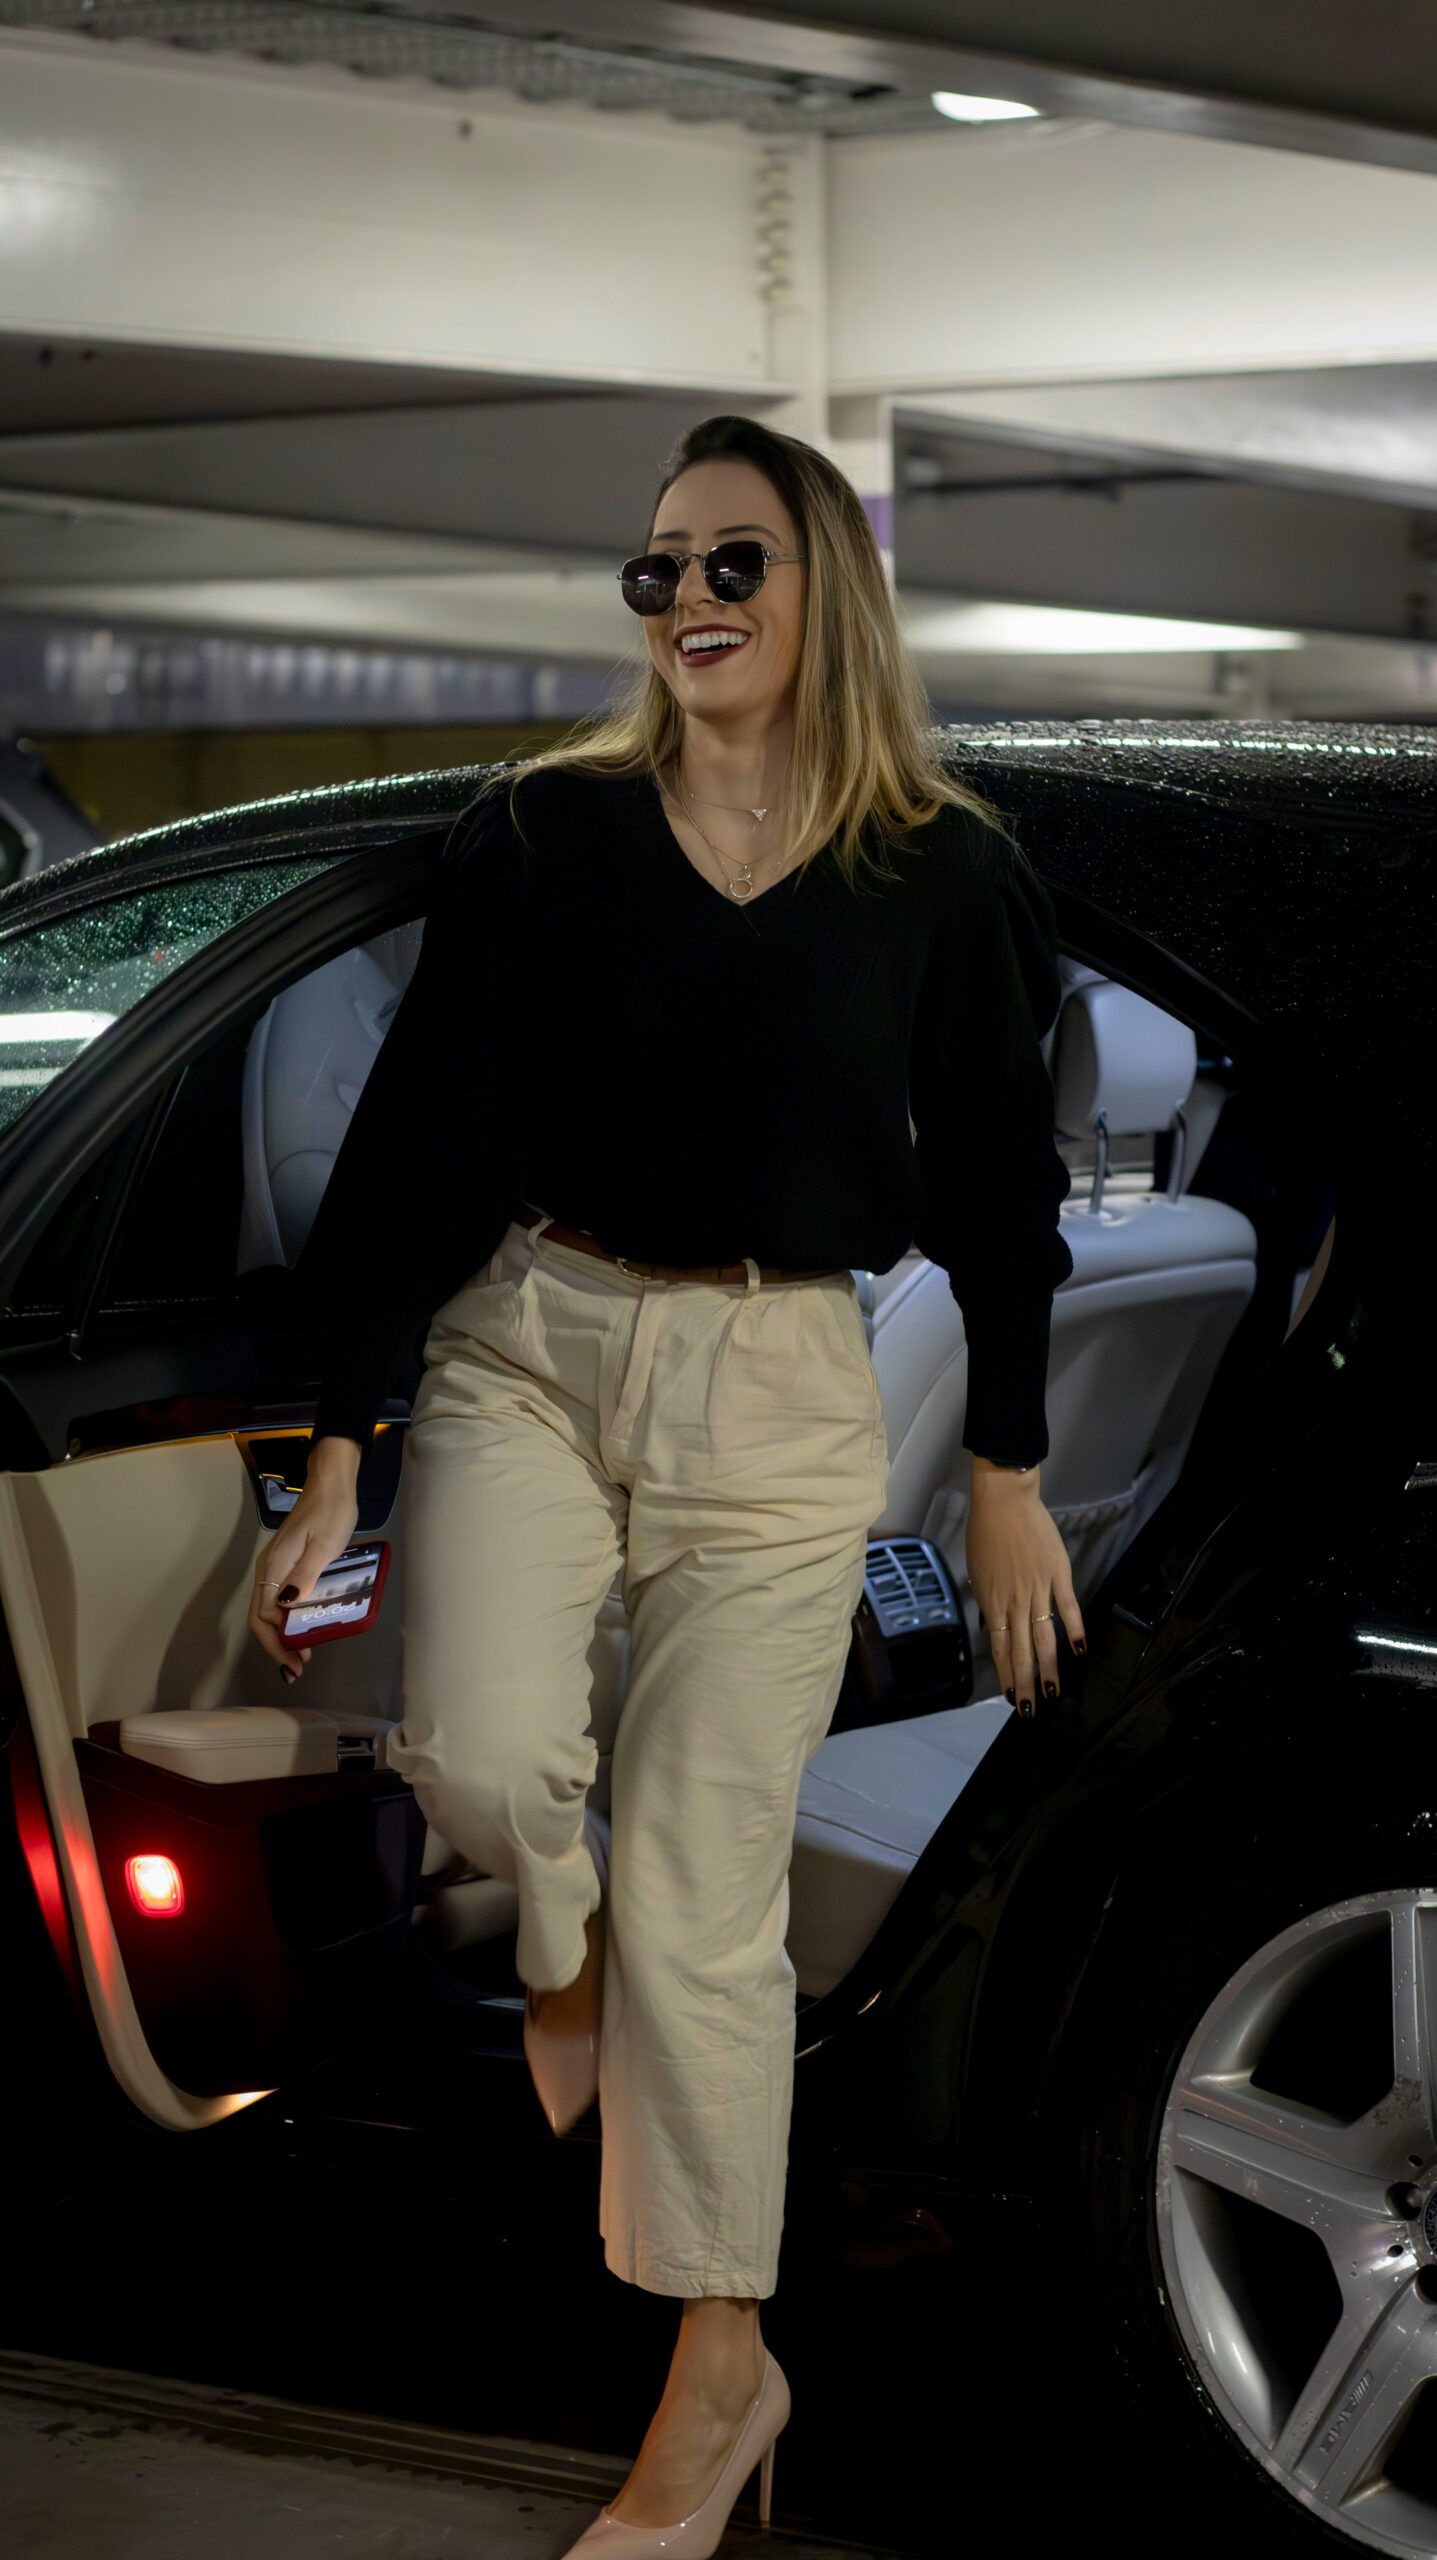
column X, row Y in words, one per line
column 740, row 890
column 740, row 808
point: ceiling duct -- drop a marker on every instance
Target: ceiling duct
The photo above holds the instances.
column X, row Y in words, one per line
column 377, row 44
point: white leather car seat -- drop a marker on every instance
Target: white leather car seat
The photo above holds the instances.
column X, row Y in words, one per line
column 305, row 1066
column 1159, row 1281
column 1158, row 1284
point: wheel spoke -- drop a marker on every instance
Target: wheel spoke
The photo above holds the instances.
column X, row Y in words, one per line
column 1298, row 2165
column 1362, row 2387
column 1323, row 2412
column 1408, row 2117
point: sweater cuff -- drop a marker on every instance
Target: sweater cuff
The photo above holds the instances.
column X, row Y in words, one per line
column 350, row 1398
column 335, row 1422
column 1005, row 1418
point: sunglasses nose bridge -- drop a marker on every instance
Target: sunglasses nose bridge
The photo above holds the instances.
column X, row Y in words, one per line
column 691, row 581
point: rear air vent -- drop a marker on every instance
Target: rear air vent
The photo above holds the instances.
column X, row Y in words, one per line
column 908, row 1586
column 910, row 1651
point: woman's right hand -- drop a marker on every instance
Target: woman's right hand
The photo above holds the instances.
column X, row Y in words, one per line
column 318, row 1529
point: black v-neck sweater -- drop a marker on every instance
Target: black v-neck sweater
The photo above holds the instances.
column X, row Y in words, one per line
column 593, row 1027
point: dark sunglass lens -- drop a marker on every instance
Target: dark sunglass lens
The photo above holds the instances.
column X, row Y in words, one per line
column 650, row 583
column 736, row 570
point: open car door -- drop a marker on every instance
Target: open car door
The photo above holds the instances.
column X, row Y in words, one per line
column 227, row 1895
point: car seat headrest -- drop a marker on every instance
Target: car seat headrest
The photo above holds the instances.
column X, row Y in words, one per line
column 1116, row 1055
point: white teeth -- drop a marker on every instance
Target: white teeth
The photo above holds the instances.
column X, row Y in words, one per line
column 712, row 640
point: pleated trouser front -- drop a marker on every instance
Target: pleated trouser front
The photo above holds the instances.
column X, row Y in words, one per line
column 723, row 1443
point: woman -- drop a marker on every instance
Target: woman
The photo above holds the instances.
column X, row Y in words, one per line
column 664, row 1001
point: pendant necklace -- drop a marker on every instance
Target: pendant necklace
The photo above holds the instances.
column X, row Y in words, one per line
column 740, row 890
column 740, row 808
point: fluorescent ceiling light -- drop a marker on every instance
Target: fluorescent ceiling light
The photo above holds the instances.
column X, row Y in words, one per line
column 1023, row 630
column 29, row 1027
column 951, row 102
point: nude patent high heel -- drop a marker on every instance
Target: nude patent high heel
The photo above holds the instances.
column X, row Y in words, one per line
column 565, row 2067
column 697, row 2536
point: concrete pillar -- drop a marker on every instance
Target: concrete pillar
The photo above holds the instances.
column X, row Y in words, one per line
column 860, row 439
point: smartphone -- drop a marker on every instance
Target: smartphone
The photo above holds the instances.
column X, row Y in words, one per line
column 345, row 1599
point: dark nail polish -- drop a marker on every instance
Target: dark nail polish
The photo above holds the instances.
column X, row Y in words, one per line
column 1080, row 1646
column 1025, row 1706
column 286, row 1673
column 289, row 1593
column 1050, row 1688
column 1008, row 1694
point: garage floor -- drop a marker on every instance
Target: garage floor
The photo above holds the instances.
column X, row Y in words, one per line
column 101, row 2465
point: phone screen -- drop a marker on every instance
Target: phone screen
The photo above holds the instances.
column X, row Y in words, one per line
column 342, row 1594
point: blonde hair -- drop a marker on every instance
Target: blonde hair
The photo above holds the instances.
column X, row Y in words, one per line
column 866, row 760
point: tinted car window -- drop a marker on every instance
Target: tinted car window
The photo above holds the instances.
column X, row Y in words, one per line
column 65, row 981
column 183, row 1240
column 176, row 1244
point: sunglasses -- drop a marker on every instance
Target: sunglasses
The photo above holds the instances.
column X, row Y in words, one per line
column 731, row 571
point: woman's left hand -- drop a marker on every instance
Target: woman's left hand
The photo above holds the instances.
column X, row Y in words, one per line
column 1019, row 1574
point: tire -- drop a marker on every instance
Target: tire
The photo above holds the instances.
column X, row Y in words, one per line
column 1251, row 2259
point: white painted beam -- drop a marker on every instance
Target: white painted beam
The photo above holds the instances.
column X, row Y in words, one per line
column 1123, row 530
column 574, row 614
column 1346, row 87
column 567, row 473
column 1366, row 430
column 83, row 542
column 154, row 199
column 1023, row 254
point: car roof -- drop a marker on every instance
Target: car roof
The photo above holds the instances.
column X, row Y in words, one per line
column 1289, row 864
column 1281, row 770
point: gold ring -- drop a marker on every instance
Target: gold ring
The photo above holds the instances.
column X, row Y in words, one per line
column 1042, row 1622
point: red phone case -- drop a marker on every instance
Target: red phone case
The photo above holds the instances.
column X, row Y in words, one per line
column 349, row 1626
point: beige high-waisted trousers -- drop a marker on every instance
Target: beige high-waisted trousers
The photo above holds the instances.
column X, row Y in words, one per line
column 724, row 1444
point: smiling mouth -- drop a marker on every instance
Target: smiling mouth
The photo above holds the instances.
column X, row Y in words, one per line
column 715, row 640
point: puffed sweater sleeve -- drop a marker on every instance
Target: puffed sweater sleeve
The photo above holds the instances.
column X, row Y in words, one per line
column 990, row 1177
column 426, row 1177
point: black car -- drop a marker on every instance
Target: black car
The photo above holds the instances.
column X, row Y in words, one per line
column 1162, row 1961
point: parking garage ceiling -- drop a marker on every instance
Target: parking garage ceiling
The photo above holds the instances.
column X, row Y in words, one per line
column 458, row 51
column 1321, row 77
column 317, row 305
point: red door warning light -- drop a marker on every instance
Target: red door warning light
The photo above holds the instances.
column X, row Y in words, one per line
column 156, row 1887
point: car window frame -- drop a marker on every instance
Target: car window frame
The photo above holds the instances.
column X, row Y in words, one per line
column 365, row 888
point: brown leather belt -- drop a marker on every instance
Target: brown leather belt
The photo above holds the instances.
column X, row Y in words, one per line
column 583, row 1242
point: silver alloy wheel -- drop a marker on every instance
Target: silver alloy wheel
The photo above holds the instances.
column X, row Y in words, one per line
column 1317, row 2368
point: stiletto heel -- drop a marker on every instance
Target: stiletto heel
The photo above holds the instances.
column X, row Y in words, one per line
column 565, row 2068
column 698, row 2536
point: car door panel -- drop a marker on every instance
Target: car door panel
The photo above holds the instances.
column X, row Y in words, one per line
column 154, row 1421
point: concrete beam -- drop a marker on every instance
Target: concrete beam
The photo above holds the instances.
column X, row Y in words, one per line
column 1117, row 529
column 77, row 542
column 1324, row 80
column 562, row 474
column 148, row 198
column 1368, row 430
column 1043, row 254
